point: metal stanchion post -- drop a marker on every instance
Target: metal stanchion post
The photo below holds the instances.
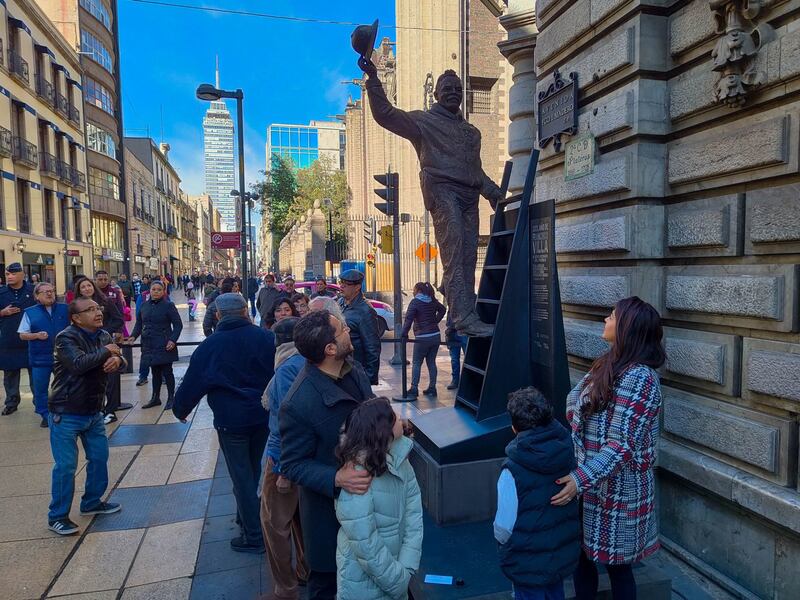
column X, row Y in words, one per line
column 403, row 373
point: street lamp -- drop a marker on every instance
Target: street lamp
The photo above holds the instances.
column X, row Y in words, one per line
column 208, row 92
column 248, row 199
column 20, row 246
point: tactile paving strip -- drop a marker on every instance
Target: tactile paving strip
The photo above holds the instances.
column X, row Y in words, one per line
column 139, row 435
column 159, row 505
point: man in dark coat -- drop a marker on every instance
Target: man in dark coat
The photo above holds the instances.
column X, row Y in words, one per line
column 267, row 296
column 84, row 358
column 233, row 367
column 363, row 323
column 15, row 297
column 324, row 393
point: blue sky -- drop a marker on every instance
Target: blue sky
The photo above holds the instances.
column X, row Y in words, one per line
column 289, row 71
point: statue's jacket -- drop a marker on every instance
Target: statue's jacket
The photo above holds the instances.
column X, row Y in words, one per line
column 448, row 147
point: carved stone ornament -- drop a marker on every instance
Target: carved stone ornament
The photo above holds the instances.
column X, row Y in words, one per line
column 734, row 55
column 557, row 112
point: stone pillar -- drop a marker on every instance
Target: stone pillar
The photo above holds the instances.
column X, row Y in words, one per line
column 318, row 225
column 694, row 206
column 520, row 23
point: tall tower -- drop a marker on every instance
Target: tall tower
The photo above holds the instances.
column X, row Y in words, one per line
column 218, row 158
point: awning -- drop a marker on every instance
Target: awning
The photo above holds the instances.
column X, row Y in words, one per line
column 19, row 23
column 44, row 49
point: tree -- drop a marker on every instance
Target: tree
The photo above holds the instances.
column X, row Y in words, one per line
column 278, row 192
column 319, row 181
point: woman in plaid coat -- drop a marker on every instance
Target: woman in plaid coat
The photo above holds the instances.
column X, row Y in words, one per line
column 613, row 414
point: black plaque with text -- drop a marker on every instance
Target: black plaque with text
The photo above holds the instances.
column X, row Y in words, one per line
column 557, row 112
column 548, row 346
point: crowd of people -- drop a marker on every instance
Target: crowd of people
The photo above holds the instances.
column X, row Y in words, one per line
column 319, row 465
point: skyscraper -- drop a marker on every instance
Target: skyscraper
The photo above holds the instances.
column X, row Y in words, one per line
column 218, row 157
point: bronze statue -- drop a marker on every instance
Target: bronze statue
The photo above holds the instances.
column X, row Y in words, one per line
column 449, row 151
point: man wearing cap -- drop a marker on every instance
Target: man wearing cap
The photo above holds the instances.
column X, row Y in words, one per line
column 362, row 320
column 15, row 297
column 451, row 177
column 232, row 367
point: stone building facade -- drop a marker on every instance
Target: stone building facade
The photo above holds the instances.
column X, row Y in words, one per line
column 44, row 208
column 142, row 215
column 692, row 205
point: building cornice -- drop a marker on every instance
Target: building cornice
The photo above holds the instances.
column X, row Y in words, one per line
column 518, row 20
column 54, row 36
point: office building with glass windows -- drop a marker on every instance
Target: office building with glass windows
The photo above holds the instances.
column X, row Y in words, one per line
column 304, row 144
column 219, row 164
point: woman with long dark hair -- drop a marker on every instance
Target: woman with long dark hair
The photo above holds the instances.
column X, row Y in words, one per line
column 613, row 414
column 283, row 309
column 160, row 326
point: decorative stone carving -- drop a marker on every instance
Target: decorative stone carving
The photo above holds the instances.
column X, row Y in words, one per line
column 734, row 55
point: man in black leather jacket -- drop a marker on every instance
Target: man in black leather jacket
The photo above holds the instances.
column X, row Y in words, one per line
column 363, row 323
column 84, row 357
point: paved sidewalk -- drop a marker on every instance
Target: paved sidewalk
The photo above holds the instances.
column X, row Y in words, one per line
column 171, row 538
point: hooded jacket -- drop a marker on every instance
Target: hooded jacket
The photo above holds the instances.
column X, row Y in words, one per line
column 425, row 313
column 288, row 364
column 545, row 543
column 379, row 544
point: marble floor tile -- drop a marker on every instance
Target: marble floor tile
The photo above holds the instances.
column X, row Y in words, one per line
column 29, row 452
column 200, row 440
column 87, row 569
column 174, row 589
column 148, row 470
column 25, row 480
column 167, row 417
column 241, row 584
column 29, row 520
column 138, row 416
column 106, row 595
column 27, row 567
column 194, row 466
column 172, row 448
column 177, row 541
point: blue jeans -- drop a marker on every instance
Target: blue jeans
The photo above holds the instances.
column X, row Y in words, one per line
column 455, row 354
column 550, row 592
column 64, row 446
column 40, row 383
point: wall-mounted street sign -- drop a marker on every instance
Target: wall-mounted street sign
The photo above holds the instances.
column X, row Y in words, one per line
column 226, row 239
column 558, row 110
column 579, row 157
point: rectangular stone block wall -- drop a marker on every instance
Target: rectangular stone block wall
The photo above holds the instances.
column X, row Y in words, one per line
column 694, row 206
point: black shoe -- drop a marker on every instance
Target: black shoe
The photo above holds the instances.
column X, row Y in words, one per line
column 238, row 544
column 44, row 424
column 8, row 410
column 153, row 402
column 104, row 508
column 110, row 418
column 142, row 382
column 431, row 391
column 412, row 392
column 453, row 385
column 63, row 526
column 125, row 406
column 168, row 405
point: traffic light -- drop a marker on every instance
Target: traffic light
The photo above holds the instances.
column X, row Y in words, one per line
column 387, row 239
column 389, row 192
column 369, row 230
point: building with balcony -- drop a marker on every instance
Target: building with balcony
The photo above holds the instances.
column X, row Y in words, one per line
column 202, row 209
column 144, row 235
column 167, row 200
column 91, row 26
column 44, row 210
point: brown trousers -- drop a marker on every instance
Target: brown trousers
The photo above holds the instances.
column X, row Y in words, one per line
column 280, row 521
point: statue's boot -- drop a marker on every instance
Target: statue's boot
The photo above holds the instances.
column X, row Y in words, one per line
column 472, row 326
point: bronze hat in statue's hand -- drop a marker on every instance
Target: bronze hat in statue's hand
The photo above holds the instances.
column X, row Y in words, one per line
column 363, row 40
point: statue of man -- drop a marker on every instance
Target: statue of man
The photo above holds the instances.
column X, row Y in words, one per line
column 449, row 151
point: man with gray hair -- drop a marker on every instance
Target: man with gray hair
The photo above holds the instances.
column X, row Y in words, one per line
column 233, row 367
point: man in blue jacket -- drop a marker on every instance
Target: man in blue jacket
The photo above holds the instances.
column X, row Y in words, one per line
column 15, row 297
column 233, row 367
column 39, row 327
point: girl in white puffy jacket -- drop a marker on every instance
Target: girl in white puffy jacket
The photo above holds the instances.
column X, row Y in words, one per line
column 380, row 540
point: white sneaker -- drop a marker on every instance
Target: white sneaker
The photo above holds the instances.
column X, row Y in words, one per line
column 109, row 418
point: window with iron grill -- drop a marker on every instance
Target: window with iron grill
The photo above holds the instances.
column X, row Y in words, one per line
column 479, row 101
